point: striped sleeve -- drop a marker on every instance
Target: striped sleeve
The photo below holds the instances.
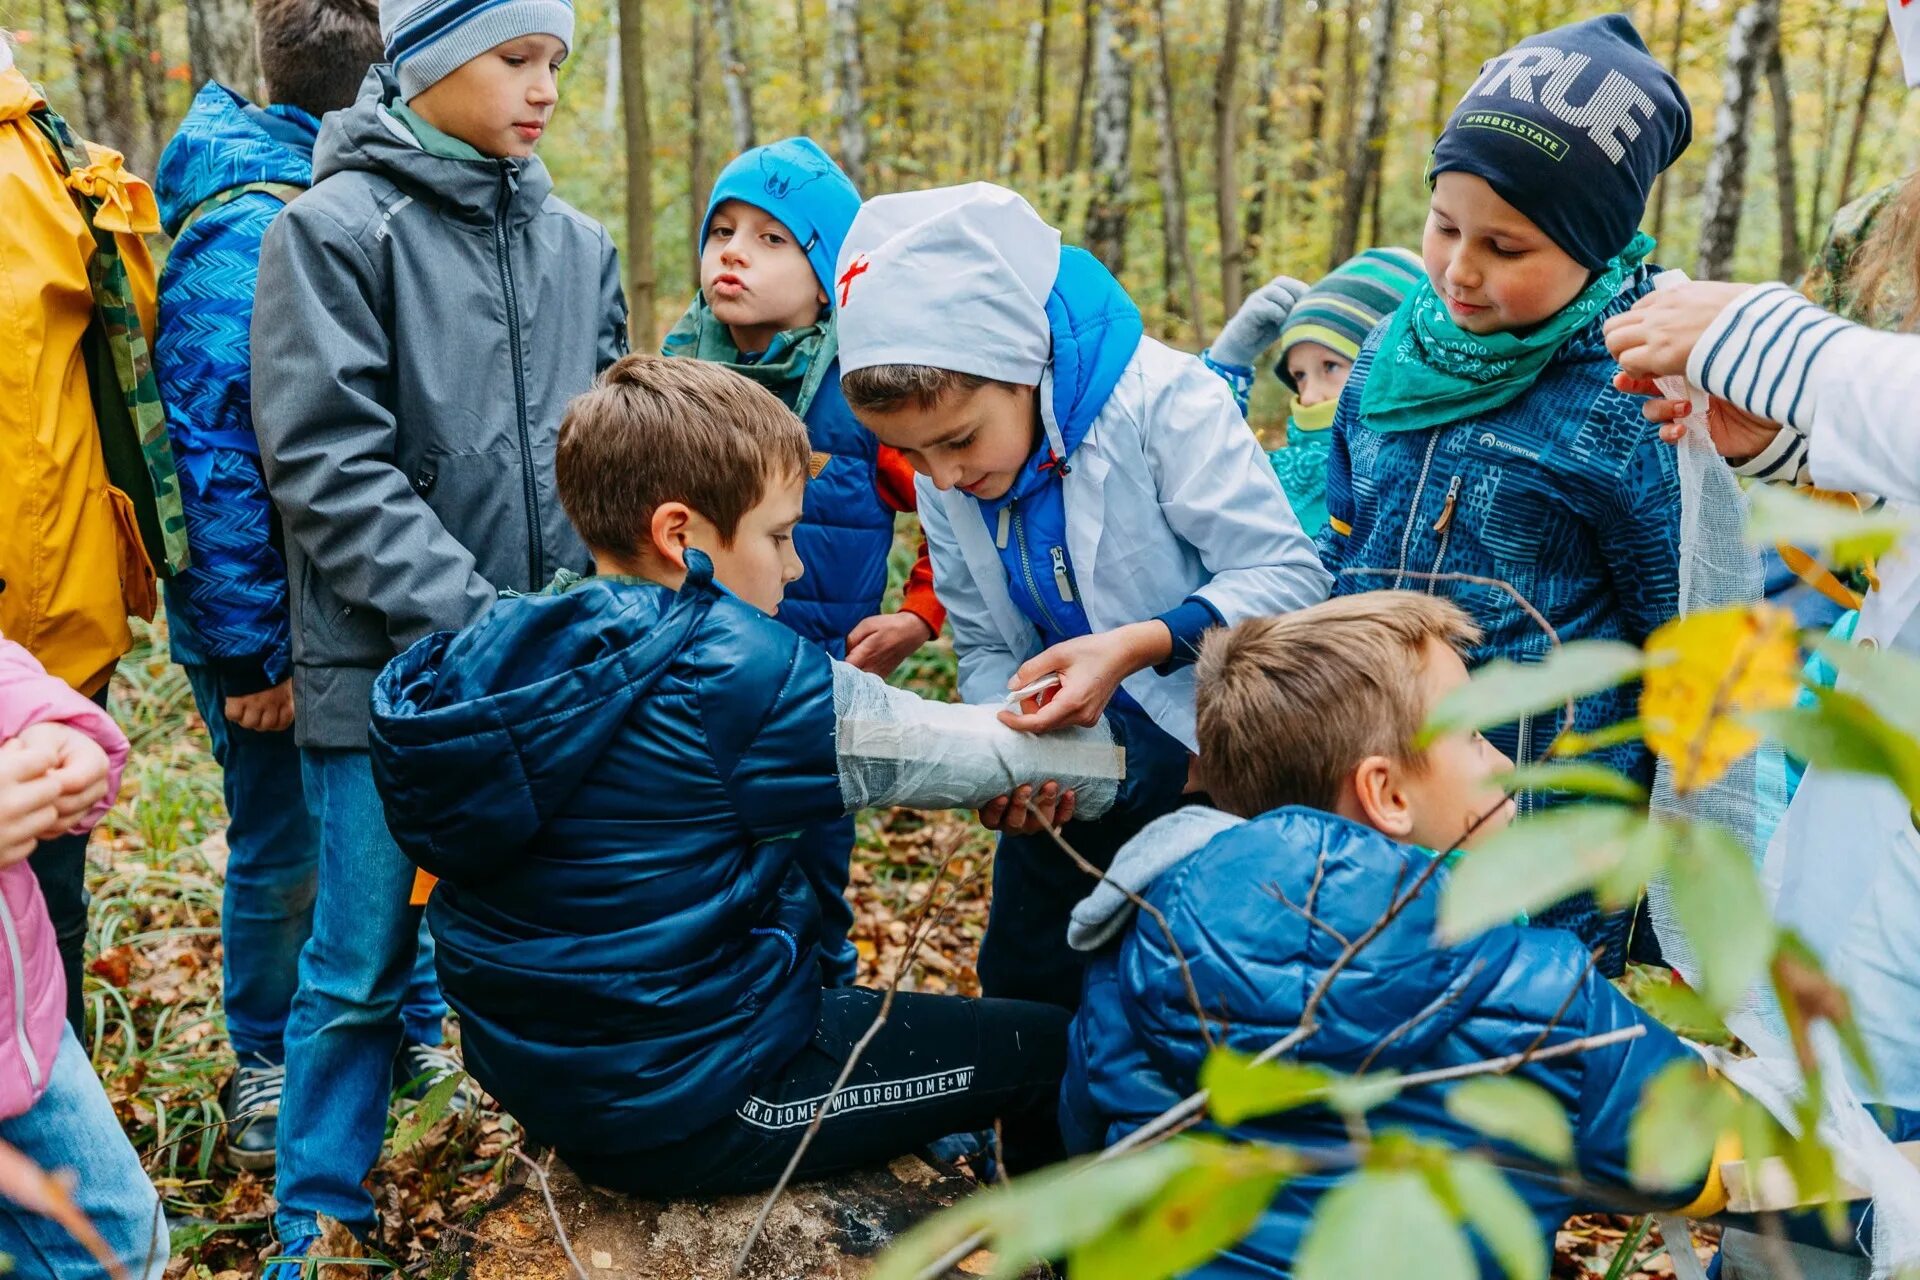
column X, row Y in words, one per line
column 1782, row 462
column 1238, row 377
column 1759, row 353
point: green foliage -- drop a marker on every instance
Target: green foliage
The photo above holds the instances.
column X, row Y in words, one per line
column 1201, row 1211
column 1582, row 779
column 1721, row 907
column 424, row 1114
column 1541, row 859
column 1384, row 1222
column 1844, row 536
column 1681, row 1116
column 1499, row 1217
column 1516, row 1111
column 1676, row 1005
column 1842, row 732
column 1501, row 691
column 1238, row 1088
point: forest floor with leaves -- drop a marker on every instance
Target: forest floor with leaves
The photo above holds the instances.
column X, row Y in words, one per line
column 158, row 1037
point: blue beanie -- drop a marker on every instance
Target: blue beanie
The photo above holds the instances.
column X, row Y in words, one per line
column 1571, row 127
column 426, row 40
column 797, row 182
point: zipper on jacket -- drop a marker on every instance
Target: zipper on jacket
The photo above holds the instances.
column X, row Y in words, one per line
column 1444, row 527
column 1026, row 568
column 1522, row 751
column 1061, row 578
column 1413, row 513
column 536, row 553
column 18, row 965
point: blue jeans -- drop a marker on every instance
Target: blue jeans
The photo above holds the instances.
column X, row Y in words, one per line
column 346, row 1023
column 272, row 863
column 73, row 1127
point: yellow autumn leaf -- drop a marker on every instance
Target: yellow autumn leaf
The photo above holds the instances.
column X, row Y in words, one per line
column 1705, row 673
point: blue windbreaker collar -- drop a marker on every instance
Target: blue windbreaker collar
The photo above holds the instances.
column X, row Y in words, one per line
column 225, row 141
column 1096, row 330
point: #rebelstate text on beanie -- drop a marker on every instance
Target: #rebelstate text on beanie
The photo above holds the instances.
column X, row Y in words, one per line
column 427, row 39
column 1571, row 127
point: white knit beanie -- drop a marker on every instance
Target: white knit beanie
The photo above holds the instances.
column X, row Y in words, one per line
column 955, row 278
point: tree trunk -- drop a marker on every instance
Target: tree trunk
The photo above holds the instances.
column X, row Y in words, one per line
column 1173, row 181
column 141, row 25
column 106, row 108
column 1370, row 136
column 1040, row 116
column 610, row 85
column 1349, row 72
column 1226, row 175
column 1112, row 137
column 1860, row 109
column 1754, row 30
column 847, row 80
column 1441, row 104
column 1272, row 40
column 734, row 71
column 1015, row 128
column 1089, row 28
column 1666, row 179
column 699, row 184
column 220, row 45
column 639, row 137
column 800, row 38
column 1786, row 176
column 1310, row 160
column 1832, row 62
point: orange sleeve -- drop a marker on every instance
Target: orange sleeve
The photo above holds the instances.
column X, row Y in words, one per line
column 918, row 597
column 893, row 480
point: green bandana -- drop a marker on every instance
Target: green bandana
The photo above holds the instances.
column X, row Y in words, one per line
column 1428, row 371
column 433, row 141
column 792, row 367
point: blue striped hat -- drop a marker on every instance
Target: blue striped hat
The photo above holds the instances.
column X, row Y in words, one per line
column 428, row 39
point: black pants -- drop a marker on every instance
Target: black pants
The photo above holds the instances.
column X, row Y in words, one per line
column 1036, row 885
column 941, row 1065
column 60, row 865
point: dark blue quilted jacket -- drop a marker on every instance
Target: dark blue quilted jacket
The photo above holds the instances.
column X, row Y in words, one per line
column 1566, row 493
column 1135, row 1048
column 229, row 609
column 607, row 781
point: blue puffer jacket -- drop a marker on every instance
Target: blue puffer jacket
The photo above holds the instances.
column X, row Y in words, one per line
column 229, row 609
column 1566, row 493
column 1135, row 1048
column 607, row 781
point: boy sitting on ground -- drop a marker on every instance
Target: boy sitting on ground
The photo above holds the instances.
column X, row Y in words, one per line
column 1307, row 725
column 608, row 779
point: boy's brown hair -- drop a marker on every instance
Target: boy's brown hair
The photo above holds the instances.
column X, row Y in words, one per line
column 315, row 53
column 1288, row 705
column 882, row 388
column 656, row 430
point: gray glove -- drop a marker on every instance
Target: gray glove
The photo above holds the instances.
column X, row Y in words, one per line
column 1257, row 324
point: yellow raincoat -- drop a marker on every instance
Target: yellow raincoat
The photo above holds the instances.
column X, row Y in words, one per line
column 72, row 567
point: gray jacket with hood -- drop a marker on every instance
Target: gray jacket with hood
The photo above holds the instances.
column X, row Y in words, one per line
column 420, row 324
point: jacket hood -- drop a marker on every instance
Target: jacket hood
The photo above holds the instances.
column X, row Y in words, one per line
column 368, row 138
column 479, row 736
column 1096, row 329
column 796, row 181
column 1159, row 846
column 225, row 141
column 1256, row 962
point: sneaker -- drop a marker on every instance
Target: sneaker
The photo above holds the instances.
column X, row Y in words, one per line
column 419, row 1067
column 288, row 1260
column 251, row 1100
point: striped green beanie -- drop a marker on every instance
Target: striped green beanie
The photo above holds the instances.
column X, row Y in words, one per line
column 1342, row 309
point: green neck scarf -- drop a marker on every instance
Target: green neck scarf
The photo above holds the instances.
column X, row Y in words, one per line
column 792, row 367
column 1318, row 418
column 1428, row 371
column 433, row 141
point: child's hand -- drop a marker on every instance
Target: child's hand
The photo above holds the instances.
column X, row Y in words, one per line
column 1257, row 324
column 1656, row 338
column 1736, row 434
column 29, row 792
column 1011, row 815
column 268, row 711
column 1090, row 669
column 79, row 770
column 882, row 642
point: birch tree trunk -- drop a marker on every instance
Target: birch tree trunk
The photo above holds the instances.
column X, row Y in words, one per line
column 1313, row 156
column 1786, row 175
column 847, row 83
column 639, row 138
column 699, row 182
column 1112, row 144
column 1832, row 64
column 1442, row 105
column 1014, row 131
column 1226, row 162
column 1860, row 109
column 1173, row 182
column 1369, row 138
column 1089, row 34
column 734, row 71
column 220, row 45
column 1040, row 114
column 1754, row 30
column 1666, row 180
column 1266, row 108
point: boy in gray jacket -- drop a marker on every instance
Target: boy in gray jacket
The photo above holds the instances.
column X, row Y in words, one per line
column 424, row 313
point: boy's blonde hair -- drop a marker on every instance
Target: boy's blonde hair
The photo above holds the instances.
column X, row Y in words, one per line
column 655, row 430
column 1288, row 705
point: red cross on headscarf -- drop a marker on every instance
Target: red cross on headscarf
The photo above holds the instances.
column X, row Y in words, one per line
column 858, row 267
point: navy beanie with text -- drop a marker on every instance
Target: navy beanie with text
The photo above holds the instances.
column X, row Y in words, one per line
column 1571, row 127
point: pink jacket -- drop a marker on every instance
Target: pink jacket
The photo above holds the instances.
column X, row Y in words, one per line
column 33, row 991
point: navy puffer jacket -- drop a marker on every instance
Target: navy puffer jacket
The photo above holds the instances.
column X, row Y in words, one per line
column 1135, row 1047
column 606, row 781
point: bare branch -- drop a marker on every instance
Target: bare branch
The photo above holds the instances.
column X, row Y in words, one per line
column 1447, row 997
column 1280, row 895
column 553, row 1211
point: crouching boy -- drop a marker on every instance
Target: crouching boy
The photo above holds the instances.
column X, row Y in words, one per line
column 1307, row 724
column 608, row 778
